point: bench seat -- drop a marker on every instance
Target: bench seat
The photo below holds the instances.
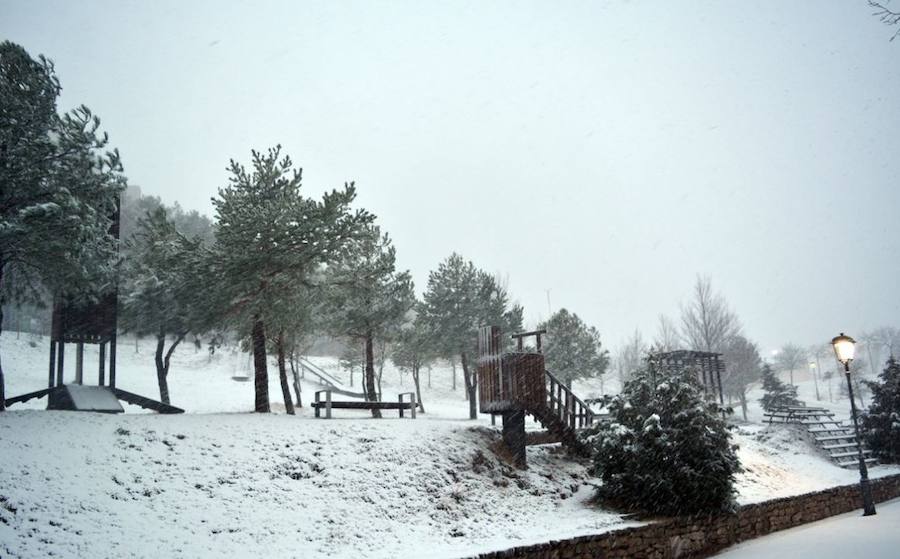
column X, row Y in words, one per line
column 338, row 404
column 328, row 404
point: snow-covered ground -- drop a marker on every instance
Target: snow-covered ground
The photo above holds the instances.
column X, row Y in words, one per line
column 219, row 480
column 839, row 537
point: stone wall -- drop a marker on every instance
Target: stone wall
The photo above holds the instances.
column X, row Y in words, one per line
column 700, row 536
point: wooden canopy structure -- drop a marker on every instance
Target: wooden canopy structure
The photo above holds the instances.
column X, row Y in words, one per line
column 708, row 366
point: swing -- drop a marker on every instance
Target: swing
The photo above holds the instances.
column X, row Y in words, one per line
column 243, row 375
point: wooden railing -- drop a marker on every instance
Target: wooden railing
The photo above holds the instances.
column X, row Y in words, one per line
column 566, row 406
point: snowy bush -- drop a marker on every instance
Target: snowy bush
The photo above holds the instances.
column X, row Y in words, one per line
column 776, row 393
column 666, row 450
column 882, row 420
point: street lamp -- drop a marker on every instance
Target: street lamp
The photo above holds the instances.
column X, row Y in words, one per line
column 844, row 349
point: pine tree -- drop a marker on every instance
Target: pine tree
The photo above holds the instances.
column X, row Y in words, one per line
column 58, row 190
column 572, row 349
column 367, row 299
column 777, row 393
column 164, row 280
column 667, row 450
column 269, row 239
column 459, row 299
column 881, row 423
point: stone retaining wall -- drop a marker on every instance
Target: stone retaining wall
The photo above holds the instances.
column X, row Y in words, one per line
column 700, row 536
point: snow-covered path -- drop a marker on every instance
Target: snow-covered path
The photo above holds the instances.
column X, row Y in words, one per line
column 840, row 537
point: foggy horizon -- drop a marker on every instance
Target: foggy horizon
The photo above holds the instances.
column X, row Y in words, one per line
column 609, row 153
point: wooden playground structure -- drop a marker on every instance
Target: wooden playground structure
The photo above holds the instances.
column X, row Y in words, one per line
column 514, row 384
column 80, row 323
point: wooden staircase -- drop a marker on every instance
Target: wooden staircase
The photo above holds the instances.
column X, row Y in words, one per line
column 563, row 414
column 835, row 439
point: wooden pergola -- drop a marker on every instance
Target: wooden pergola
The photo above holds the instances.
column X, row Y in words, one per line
column 708, row 366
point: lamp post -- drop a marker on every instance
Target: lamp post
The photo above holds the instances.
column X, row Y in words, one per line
column 844, row 348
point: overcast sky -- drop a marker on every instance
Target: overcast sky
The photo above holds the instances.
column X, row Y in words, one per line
column 605, row 151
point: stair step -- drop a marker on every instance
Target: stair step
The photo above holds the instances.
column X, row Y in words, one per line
column 854, row 462
column 844, row 445
column 835, row 437
column 831, row 430
column 846, row 454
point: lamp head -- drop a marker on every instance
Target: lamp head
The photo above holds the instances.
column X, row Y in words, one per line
column 844, row 348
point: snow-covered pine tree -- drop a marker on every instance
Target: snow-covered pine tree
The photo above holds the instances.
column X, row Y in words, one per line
column 269, row 239
column 667, row 450
column 776, row 393
column 459, row 299
column 881, row 422
column 164, row 282
column 572, row 349
column 58, row 190
column 367, row 299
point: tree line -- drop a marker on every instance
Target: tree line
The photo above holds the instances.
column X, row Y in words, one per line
column 274, row 266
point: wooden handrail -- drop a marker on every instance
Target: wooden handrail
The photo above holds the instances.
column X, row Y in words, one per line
column 565, row 404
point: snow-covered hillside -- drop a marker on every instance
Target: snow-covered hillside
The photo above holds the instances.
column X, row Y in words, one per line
column 219, row 481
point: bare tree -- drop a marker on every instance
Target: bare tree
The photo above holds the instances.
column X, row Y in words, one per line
column 666, row 334
column 742, row 368
column 816, row 353
column 707, row 324
column 789, row 358
column 877, row 342
column 630, row 356
column 886, row 15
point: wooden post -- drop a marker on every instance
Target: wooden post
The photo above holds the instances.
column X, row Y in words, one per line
column 61, row 354
column 79, row 363
column 412, row 395
column 112, row 360
column 52, row 377
column 102, row 367
column 328, row 404
column 316, row 407
column 514, row 436
column 400, row 397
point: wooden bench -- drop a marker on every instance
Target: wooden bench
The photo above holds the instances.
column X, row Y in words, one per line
column 328, row 404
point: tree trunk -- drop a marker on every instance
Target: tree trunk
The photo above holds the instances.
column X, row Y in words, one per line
column 282, row 375
column 161, row 379
column 453, row 364
column 2, row 378
column 293, row 363
column 742, row 398
column 429, row 376
column 381, row 359
column 261, row 373
column 370, row 373
column 470, row 386
column 816, row 383
column 415, row 373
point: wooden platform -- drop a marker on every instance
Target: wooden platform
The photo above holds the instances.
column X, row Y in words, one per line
column 103, row 399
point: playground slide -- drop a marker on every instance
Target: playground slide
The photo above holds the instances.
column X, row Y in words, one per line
column 327, row 379
column 323, row 375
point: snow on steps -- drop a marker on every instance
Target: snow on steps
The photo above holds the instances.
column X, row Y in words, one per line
column 836, row 440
